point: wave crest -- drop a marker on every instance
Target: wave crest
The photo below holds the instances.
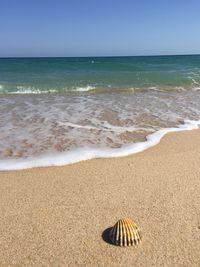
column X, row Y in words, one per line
column 84, row 89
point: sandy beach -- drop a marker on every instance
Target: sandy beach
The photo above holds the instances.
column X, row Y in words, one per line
column 57, row 216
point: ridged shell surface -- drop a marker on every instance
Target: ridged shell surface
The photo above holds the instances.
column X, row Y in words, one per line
column 125, row 233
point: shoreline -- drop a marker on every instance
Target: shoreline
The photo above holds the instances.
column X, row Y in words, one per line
column 55, row 216
column 80, row 154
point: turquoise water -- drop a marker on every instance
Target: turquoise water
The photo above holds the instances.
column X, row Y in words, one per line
column 56, row 111
column 71, row 74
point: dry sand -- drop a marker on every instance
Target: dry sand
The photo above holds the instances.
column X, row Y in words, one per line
column 56, row 216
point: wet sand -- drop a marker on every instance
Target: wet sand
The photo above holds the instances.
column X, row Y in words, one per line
column 57, row 216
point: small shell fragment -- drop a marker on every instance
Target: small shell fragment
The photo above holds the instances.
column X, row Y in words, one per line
column 125, row 233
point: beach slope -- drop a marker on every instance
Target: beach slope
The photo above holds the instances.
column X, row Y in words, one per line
column 57, row 216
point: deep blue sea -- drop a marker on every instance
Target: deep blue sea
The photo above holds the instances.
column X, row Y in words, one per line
column 55, row 111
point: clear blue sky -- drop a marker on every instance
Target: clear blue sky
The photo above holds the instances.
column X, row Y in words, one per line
column 99, row 27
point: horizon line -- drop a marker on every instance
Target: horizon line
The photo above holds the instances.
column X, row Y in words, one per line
column 155, row 55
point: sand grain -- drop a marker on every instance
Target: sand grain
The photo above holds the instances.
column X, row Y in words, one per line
column 56, row 216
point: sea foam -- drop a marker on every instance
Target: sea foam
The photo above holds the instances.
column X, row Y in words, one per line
column 84, row 89
column 31, row 90
column 22, row 90
column 81, row 154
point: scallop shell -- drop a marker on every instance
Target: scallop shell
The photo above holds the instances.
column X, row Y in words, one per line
column 125, row 233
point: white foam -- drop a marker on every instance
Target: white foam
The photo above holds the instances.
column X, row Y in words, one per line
column 196, row 88
column 88, row 127
column 119, row 129
column 84, row 89
column 194, row 81
column 106, row 127
column 81, row 154
column 31, row 90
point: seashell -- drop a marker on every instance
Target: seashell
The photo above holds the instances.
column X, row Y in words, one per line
column 125, row 233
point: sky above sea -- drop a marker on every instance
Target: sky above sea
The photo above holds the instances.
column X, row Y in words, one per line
column 98, row 28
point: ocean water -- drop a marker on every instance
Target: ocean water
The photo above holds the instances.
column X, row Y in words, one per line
column 55, row 111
